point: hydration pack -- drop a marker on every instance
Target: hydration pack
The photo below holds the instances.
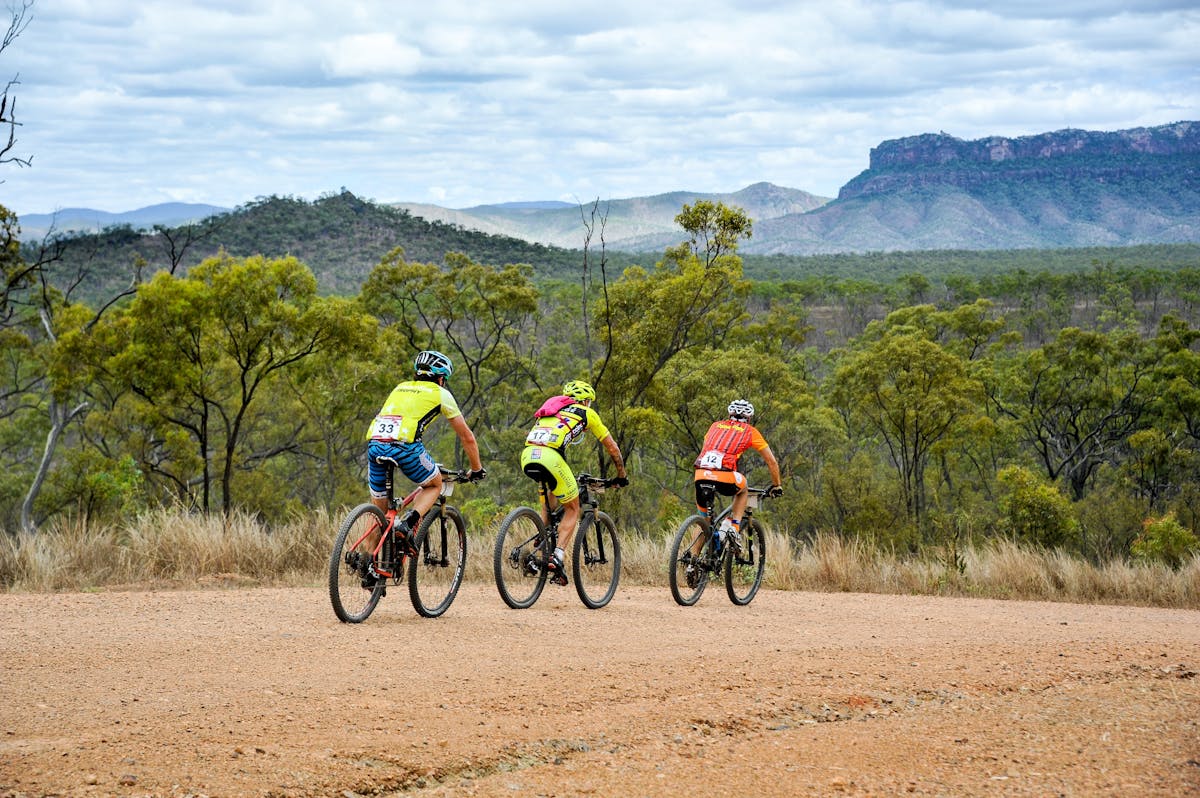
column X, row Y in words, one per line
column 552, row 406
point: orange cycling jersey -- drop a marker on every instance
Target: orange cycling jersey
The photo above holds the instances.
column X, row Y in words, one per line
column 725, row 442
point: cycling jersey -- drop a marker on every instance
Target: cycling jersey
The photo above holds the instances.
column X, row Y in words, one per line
column 566, row 426
column 409, row 409
column 725, row 442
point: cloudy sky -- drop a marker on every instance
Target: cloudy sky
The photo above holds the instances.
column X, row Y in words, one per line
column 461, row 102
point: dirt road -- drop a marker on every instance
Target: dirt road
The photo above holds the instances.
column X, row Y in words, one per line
column 261, row 692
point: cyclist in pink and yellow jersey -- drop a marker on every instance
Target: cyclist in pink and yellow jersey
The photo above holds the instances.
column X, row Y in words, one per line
column 560, row 421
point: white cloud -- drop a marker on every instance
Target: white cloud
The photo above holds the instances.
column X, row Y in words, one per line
column 370, row 55
column 467, row 103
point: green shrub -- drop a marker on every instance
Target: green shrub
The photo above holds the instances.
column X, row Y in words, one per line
column 1034, row 511
column 1164, row 540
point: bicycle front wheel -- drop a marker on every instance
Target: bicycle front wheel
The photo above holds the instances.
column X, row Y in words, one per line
column 519, row 558
column 745, row 564
column 351, row 592
column 690, row 564
column 436, row 570
column 596, row 562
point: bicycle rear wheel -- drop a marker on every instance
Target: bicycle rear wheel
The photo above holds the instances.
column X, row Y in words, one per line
column 745, row 564
column 436, row 570
column 690, row 564
column 596, row 561
column 519, row 558
column 352, row 602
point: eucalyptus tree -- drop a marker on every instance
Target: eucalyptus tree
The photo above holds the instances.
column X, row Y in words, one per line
column 692, row 300
column 1076, row 399
column 913, row 393
column 200, row 353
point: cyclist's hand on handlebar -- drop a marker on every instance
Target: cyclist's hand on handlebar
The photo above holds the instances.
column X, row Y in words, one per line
column 475, row 476
column 775, row 490
column 620, row 482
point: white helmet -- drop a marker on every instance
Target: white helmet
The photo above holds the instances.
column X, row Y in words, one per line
column 740, row 408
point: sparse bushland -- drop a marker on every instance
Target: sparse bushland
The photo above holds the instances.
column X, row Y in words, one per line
column 168, row 549
column 917, row 418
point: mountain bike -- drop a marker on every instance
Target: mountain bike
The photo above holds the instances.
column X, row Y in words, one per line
column 696, row 557
column 435, row 554
column 525, row 544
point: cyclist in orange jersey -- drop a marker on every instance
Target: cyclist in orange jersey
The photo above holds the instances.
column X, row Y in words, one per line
column 716, row 467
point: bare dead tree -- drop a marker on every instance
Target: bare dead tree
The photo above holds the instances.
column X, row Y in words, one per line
column 8, row 101
column 177, row 241
column 591, row 220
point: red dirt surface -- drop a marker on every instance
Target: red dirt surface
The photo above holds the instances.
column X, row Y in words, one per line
column 261, row 692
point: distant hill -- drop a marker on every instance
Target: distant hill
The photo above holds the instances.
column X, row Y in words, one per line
column 340, row 237
column 636, row 224
column 35, row 226
column 1070, row 188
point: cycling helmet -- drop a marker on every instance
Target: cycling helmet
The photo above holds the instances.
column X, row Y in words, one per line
column 579, row 390
column 740, row 408
column 433, row 363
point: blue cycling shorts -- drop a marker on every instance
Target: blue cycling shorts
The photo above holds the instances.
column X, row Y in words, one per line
column 410, row 458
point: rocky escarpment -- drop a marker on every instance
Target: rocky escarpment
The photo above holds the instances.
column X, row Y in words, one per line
column 1168, row 151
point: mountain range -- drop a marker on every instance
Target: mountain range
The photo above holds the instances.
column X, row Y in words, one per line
column 1068, row 188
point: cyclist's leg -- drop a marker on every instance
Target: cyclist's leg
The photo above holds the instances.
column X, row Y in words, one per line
column 739, row 498
column 418, row 466
column 537, row 461
column 705, row 490
column 380, row 457
column 570, row 521
column 535, row 469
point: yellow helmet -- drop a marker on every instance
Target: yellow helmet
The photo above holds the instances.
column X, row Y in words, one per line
column 579, row 390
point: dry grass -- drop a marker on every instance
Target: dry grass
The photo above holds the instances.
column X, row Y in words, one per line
column 169, row 549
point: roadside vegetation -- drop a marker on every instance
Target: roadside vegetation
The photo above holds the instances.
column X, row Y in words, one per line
column 1016, row 433
column 167, row 549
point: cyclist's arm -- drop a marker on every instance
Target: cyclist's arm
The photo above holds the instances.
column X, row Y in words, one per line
column 772, row 465
column 614, row 452
column 459, row 425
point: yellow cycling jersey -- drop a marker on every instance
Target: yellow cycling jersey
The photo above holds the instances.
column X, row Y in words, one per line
column 409, row 409
column 566, row 426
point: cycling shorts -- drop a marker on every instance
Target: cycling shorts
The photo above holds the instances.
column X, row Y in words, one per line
column 536, row 458
column 411, row 458
column 726, row 483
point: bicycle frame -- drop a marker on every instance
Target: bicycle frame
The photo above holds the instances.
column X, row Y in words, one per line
column 753, row 497
column 552, row 509
column 394, row 507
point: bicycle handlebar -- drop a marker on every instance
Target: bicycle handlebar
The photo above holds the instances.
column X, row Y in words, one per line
column 453, row 475
column 596, row 482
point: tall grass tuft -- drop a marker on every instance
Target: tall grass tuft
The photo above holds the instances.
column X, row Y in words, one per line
column 175, row 549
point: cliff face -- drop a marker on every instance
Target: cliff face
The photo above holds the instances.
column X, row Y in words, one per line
column 941, row 159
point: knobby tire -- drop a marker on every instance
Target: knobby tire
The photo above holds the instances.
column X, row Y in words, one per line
column 596, row 560
column 693, row 529
column 435, row 572
column 351, row 602
column 521, row 536
column 744, row 569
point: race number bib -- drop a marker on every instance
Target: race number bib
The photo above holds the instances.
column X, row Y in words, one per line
column 711, row 459
column 386, row 428
column 540, row 436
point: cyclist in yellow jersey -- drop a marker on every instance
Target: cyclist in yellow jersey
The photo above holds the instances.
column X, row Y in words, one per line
column 395, row 436
column 560, row 421
column 716, row 467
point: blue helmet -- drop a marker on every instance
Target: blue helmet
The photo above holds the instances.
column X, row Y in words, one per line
column 433, row 363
